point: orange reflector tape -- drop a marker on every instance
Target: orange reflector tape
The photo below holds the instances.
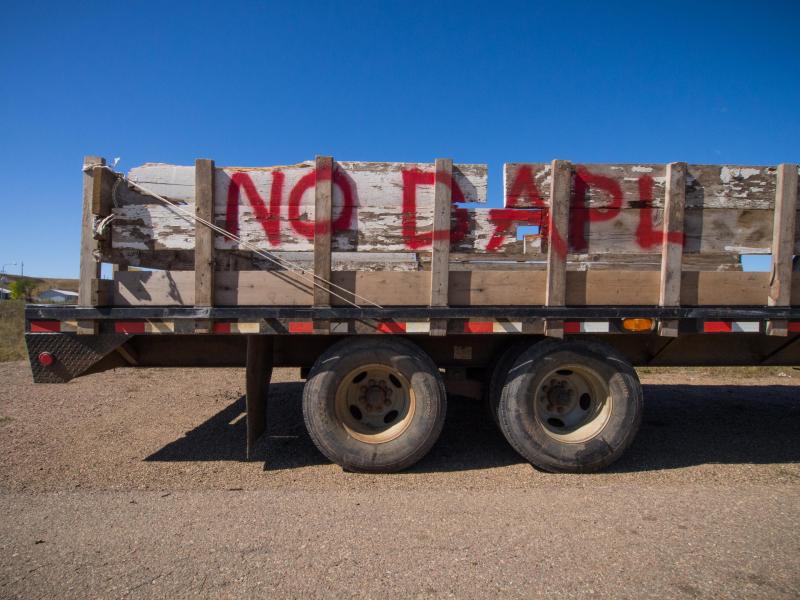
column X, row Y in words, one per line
column 638, row 324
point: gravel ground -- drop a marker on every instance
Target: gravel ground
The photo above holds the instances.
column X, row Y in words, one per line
column 133, row 484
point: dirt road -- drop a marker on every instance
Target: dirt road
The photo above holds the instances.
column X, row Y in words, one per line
column 132, row 484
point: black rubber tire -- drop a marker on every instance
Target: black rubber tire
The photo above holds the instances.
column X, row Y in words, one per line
column 528, row 437
column 333, row 440
column 499, row 371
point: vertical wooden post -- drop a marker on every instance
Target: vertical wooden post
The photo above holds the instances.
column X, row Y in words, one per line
column 672, row 244
column 323, row 224
column 783, row 232
column 557, row 244
column 440, row 240
column 257, row 375
column 88, row 288
column 203, row 239
column 204, row 236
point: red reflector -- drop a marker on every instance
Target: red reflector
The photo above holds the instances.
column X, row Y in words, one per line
column 572, row 327
column 478, row 327
column 717, row 327
column 301, row 327
column 129, row 326
column 221, row 328
column 391, row 327
column 45, row 326
column 46, row 359
column 794, row 326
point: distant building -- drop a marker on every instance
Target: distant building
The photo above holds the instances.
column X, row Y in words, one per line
column 5, row 294
column 59, row 296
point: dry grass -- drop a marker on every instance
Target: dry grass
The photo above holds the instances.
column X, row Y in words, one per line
column 727, row 372
column 12, row 325
column 46, row 283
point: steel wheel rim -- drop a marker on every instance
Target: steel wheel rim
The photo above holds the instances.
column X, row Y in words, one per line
column 375, row 403
column 572, row 404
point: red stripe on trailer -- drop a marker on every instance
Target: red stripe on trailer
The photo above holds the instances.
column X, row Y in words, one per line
column 794, row 326
column 572, row 327
column 301, row 327
column 717, row 327
column 478, row 327
column 391, row 327
column 129, row 326
column 221, row 328
column 45, row 326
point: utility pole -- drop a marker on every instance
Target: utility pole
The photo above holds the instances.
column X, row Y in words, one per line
column 3, row 277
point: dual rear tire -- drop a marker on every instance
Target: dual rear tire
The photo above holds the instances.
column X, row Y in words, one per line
column 379, row 404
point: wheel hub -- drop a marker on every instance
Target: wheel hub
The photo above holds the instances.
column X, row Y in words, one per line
column 375, row 397
column 558, row 396
column 375, row 403
column 572, row 403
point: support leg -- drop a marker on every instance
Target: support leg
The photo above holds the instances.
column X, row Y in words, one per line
column 258, row 373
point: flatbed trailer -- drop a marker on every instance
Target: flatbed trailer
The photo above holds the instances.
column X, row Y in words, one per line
column 388, row 289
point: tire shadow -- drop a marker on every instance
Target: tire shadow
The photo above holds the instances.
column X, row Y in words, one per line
column 683, row 425
column 688, row 425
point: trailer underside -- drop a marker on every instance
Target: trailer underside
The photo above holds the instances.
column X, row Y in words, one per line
column 166, row 337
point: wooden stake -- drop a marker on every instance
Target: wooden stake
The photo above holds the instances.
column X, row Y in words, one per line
column 557, row 245
column 672, row 244
column 257, row 375
column 204, row 236
column 90, row 247
column 783, row 232
column 203, row 240
column 323, row 224
column 102, row 191
column 440, row 243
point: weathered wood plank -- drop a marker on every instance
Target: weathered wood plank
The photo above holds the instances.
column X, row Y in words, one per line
column 440, row 250
column 204, row 264
column 706, row 231
column 376, row 206
column 672, row 244
column 630, row 185
column 467, row 288
column 557, row 242
column 388, row 207
column 783, row 244
column 577, row 262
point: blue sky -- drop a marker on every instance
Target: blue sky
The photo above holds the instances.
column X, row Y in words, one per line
column 265, row 83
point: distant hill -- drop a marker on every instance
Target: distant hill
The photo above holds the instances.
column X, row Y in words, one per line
column 45, row 283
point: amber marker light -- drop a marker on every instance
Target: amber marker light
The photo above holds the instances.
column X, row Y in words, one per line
column 638, row 324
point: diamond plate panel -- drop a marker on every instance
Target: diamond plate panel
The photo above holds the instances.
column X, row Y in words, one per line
column 73, row 353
